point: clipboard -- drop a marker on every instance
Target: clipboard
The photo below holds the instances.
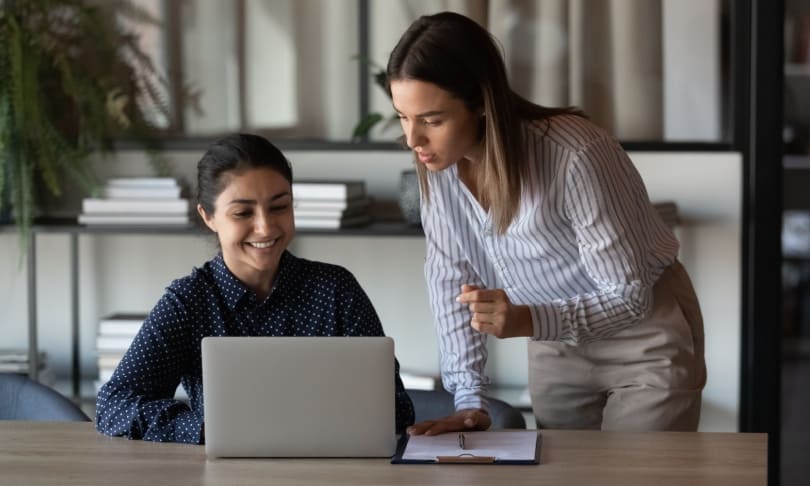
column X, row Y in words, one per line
column 519, row 447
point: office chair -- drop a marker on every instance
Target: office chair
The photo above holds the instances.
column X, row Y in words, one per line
column 22, row 398
column 433, row 404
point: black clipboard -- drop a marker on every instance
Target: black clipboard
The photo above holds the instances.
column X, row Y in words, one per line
column 463, row 457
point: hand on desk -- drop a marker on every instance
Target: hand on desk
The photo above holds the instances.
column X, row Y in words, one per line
column 468, row 419
column 493, row 313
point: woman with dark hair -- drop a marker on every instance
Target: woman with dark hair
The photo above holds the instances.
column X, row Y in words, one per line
column 538, row 225
column 253, row 287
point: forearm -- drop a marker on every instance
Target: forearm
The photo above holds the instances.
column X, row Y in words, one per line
column 592, row 316
column 126, row 413
column 463, row 360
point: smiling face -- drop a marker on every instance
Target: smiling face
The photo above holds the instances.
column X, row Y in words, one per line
column 439, row 128
column 253, row 219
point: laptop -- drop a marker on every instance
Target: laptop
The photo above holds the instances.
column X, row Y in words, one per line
column 299, row 396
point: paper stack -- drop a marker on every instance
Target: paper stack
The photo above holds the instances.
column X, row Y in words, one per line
column 420, row 381
column 330, row 204
column 115, row 334
column 137, row 201
column 16, row 361
column 668, row 211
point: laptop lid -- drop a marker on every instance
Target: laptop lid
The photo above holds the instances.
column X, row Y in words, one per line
column 298, row 396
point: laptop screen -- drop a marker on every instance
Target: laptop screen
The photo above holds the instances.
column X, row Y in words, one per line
column 298, row 396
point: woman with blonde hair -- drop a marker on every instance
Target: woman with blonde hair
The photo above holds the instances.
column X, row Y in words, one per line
column 538, row 225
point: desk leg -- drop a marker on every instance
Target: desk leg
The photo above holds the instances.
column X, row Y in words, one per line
column 33, row 349
column 76, row 370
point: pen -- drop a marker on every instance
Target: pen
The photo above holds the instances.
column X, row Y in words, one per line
column 461, row 441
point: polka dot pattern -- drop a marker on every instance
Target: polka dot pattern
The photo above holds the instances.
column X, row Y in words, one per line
column 308, row 299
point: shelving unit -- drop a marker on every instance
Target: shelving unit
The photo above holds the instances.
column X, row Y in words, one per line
column 74, row 230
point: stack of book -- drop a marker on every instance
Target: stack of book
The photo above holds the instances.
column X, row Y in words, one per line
column 668, row 211
column 115, row 334
column 420, row 381
column 330, row 204
column 137, row 201
column 16, row 361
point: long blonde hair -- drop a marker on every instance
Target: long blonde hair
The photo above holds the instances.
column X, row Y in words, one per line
column 461, row 57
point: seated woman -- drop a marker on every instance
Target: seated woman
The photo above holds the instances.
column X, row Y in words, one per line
column 253, row 287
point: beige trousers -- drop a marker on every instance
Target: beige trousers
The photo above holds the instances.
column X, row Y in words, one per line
column 647, row 377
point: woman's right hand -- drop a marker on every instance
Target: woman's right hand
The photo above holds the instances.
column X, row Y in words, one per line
column 462, row 420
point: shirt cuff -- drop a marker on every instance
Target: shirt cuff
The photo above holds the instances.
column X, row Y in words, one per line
column 546, row 322
column 471, row 398
column 188, row 427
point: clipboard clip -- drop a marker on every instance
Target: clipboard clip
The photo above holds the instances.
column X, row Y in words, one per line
column 466, row 459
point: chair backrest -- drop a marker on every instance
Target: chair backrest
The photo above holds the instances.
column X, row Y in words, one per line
column 433, row 404
column 22, row 398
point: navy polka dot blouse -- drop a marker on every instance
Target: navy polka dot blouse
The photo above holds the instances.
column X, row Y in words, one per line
column 308, row 299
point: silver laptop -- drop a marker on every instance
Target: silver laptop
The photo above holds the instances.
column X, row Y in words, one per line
column 298, row 396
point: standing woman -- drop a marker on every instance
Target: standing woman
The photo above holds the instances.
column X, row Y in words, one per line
column 538, row 225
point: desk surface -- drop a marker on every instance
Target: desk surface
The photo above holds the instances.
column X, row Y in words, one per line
column 35, row 453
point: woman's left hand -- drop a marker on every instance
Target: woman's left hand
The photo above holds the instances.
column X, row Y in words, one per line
column 493, row 313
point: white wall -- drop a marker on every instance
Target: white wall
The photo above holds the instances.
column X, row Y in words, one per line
column 692, row 70
column 128, row 273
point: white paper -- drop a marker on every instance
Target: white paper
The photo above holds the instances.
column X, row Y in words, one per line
column 506, row 445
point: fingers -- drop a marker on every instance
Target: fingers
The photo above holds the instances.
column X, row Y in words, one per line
column 475, row 294
column 471, row 419
column 489, row 308
column 421, row 427
column 476, row 419
column 466, row 290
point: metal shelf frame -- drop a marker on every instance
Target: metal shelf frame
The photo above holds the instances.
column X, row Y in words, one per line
column 74, row 230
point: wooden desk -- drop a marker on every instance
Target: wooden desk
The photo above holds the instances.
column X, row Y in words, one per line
column 35, row 453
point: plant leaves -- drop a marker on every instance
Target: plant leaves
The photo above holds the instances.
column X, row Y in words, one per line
column 364, row 126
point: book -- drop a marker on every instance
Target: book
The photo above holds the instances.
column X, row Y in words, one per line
column 328, row 190
column 113, row 343
column 474, row 447
column 117, row 324
column 314, row 212
column 134, row 206
column 142, row 192
column 668, row 211
column 16, row 361
column 325, row 214
column 331, row 223
column 135, row 219
column 415, row 381
column 104, row 374
column 18, row 356
column 109, row 360
column 355, row 204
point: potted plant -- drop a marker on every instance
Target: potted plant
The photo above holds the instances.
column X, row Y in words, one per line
column 72, row 79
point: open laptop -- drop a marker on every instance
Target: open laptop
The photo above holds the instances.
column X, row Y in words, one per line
column 299, row 396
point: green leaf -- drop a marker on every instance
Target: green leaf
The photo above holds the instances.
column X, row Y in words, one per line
column 72, row 78
column 365, row 125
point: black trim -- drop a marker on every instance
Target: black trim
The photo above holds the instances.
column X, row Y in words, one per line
column 758, row 100
column 200, row 143
column 632, row 146
column 365, row 55
column 172, row 11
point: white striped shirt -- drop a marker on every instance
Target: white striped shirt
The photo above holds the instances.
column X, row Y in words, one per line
column 583, row 251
